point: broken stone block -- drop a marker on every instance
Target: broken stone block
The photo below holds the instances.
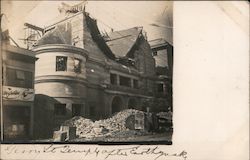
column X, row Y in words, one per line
column 59, row 136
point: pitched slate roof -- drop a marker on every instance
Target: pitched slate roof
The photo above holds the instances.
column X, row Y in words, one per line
column 59, row 35
column 121, row 42
column 97, row 37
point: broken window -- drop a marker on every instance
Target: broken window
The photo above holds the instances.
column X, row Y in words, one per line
column 59, row 109
column 113, row 78
column 76, row 109
column 61, row 63
column 77, row 65
column 125, row 81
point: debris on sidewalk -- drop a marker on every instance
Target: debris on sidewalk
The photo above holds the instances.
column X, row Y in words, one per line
column 117, row 125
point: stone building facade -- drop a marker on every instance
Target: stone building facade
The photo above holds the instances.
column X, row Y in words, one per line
column 81, row 72
column 164, row 72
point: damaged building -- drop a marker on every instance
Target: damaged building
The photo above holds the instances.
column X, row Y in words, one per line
column 81, row 72
column 17, row 107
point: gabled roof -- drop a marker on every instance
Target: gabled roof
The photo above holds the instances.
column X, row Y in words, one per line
column 121, row 42
column 115, row 45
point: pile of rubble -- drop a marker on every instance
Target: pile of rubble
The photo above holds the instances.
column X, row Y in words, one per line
column 83, row 125
column 114, row 126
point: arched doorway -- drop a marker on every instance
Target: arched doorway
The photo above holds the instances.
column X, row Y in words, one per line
column 116, row 104
column 132, row 103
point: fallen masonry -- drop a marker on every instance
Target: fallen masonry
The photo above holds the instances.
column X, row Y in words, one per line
column 128, row 122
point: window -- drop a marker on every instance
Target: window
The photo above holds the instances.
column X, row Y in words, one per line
column 154, row 53
column 61, row 63
column 92, row 111
column 125, row 81
column 76, row 109
column 20, row 75
column 136, row 85
column 18, row 78
column 113, row 78
column 160, row 87
column 77, row 65
column 59, row 109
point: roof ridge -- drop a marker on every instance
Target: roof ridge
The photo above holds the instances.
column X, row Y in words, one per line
column 136, row 27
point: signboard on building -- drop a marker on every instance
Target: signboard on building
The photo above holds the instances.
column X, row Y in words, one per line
column 16, row 93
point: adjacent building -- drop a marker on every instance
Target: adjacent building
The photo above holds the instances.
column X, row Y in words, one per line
column 17, row 92
column 163, row 54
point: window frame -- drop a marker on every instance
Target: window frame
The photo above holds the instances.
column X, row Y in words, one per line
column 11, row 78
column 113, row 79
column 65, row 58
column 125, row 81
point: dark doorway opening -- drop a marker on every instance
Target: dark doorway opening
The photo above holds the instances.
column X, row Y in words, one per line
column 116, row 104
column 16, row 122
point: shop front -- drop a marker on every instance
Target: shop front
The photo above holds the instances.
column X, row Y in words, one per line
column 17, row 113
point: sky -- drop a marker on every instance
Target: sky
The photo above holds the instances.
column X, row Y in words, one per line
column 109, row 14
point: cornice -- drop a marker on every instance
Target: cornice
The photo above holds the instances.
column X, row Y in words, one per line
column 60, row 47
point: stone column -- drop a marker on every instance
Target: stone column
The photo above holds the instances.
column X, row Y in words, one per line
column 131, row 83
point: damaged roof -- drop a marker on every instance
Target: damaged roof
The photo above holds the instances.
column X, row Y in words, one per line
column 121, row 42
column 59, row 35
column 158, row 44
